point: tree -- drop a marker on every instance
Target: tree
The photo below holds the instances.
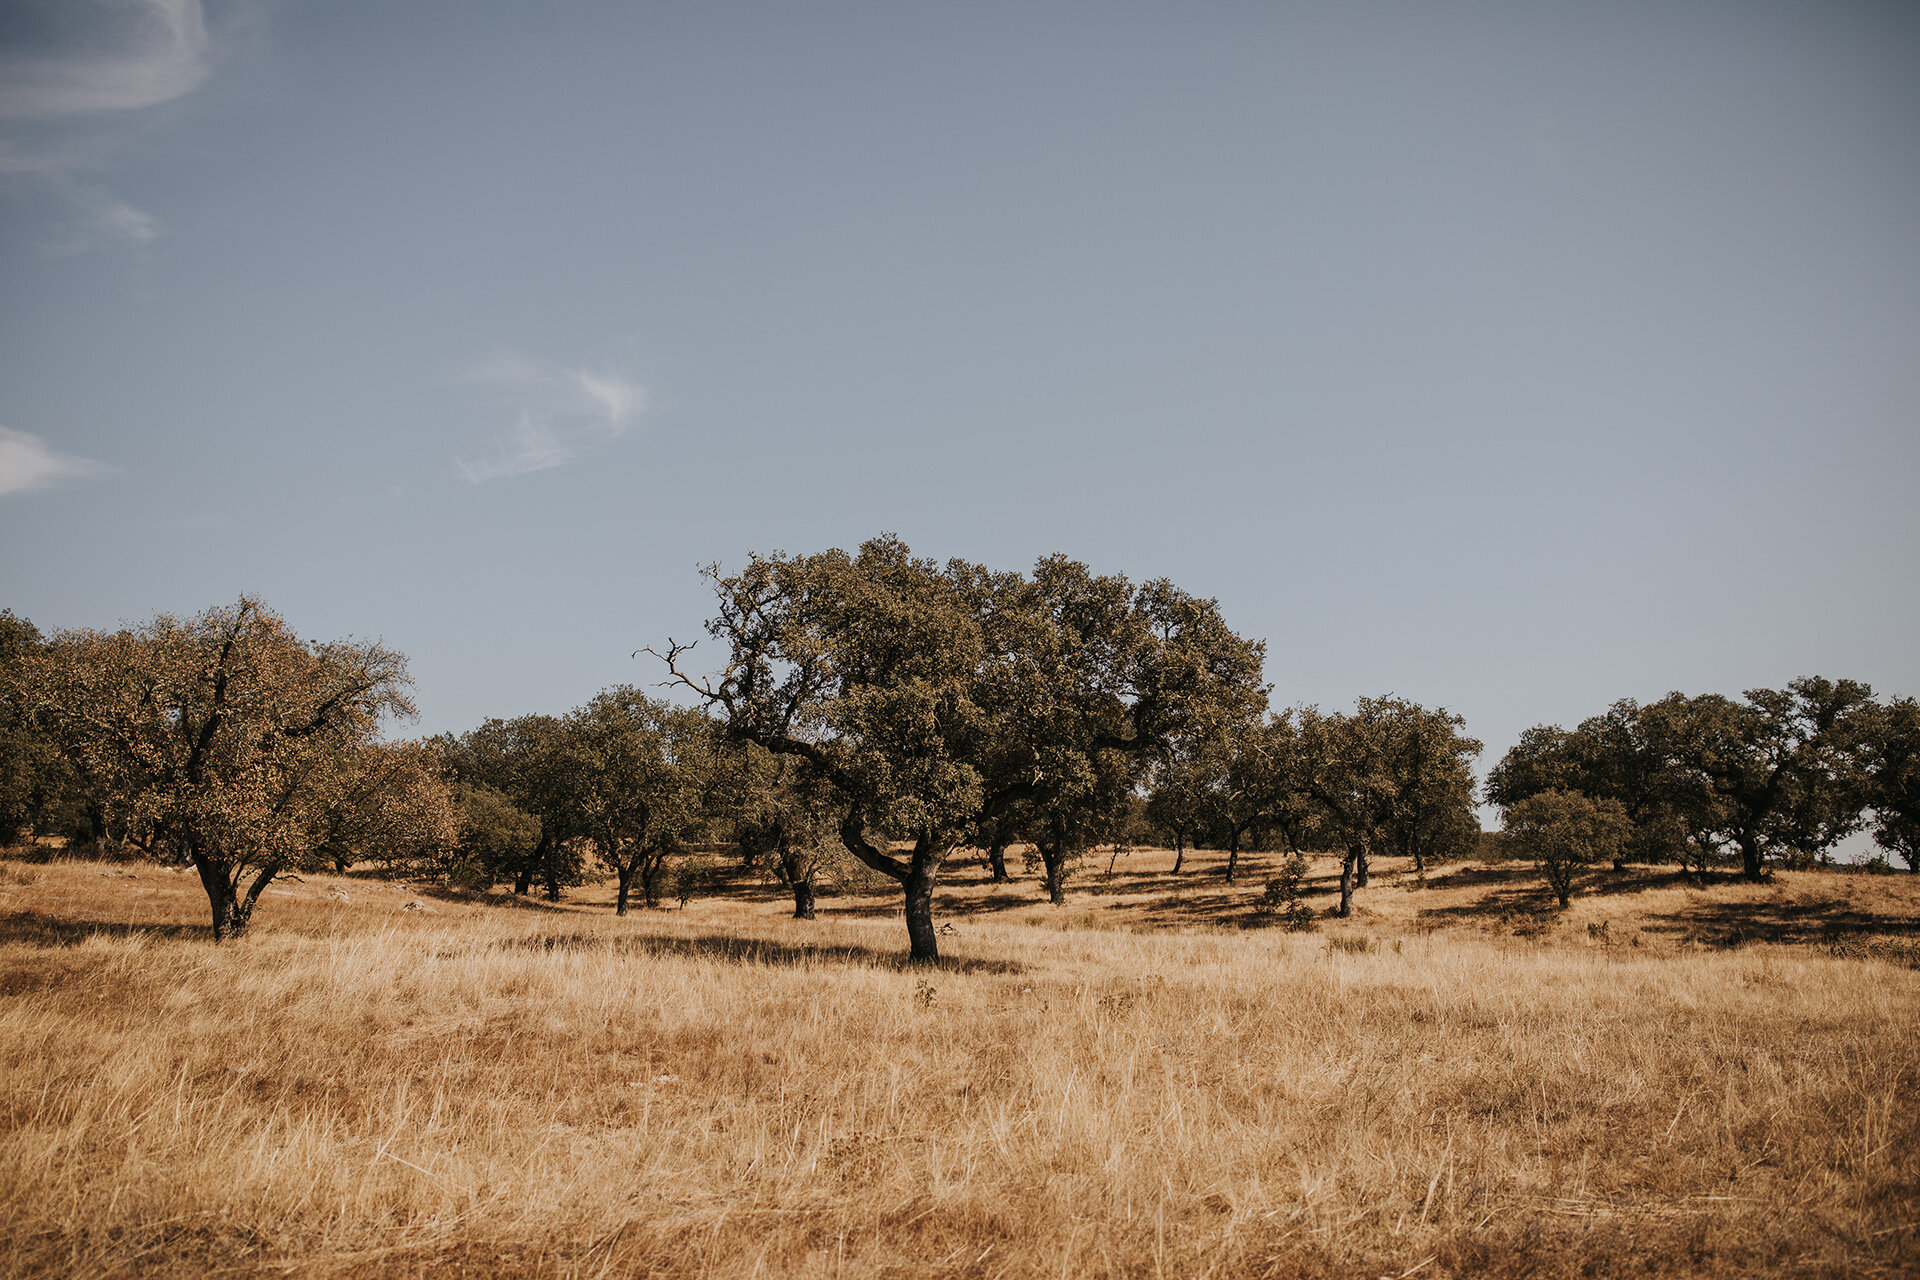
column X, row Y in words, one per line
column 394, row 807
column 1428, row 811
column 934, row 700
column 522, row 759
column 784, row 811
column 221, row 740
column 1784, row 766
column 1337, row 765
column 1180, row 801
column 497, row 839
column 39, row 790
column 1563, row 831
column 635, row 771
column 1892, row 763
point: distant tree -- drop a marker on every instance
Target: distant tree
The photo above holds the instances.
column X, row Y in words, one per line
column 1180, row 802
column 636, row 772
column 523, row 759
column 38, row 786
column 221, row 740
column 1784, row 767
column 394, row 807
column 1428, row 762
column 934, row 699
column 1563, row 831
column 497, row 839
column 1337, row 764
column 781, row 808
column 995, row 836
column 1892, row 772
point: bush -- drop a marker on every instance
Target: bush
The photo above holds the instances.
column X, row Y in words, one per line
column 1281, row 901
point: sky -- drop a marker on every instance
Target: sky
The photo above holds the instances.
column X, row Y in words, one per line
column 1509, row 357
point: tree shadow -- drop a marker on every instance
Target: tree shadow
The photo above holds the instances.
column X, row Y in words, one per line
column 477, row 898
column 33, row 929
column 1733, row 923
column 764, row 951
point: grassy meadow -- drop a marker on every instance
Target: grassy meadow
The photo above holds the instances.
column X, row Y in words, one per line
column 1145, row 1083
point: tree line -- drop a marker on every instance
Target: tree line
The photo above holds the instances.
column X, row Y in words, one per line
column 867, row 715
column 1777, row 777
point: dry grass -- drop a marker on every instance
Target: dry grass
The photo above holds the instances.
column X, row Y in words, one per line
column 475, row 1090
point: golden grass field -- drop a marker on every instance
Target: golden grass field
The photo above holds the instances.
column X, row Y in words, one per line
column 1137, row 1084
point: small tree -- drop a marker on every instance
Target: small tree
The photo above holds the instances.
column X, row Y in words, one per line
column 496, row 838
column 1563, row 831
column 636, row 771
column 1281, row 900
column 782, row 811
column 523, row 759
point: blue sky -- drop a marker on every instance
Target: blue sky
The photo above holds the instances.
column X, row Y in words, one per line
column 1509, row 357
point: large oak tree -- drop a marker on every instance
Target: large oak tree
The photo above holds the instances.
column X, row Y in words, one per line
column 936, row 699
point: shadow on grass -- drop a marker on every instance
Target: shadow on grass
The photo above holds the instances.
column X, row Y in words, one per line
column 736, row 950
column 37, row 930
column 474, row 898
column 1732, row 923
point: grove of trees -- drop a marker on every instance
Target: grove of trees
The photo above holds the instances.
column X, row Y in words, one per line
column 1777, row 778
column 866, row 715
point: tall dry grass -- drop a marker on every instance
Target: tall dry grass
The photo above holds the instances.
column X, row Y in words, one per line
column 360, row 1091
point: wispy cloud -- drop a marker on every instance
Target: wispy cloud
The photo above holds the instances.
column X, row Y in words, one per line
column 562, row 413
column 84, row 56
column 76, row 79
column 95, row 217
column 26, row 462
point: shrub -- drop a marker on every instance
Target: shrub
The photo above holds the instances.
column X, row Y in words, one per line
column 1281, row 901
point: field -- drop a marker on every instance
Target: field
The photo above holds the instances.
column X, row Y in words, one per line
column 1145, row 1083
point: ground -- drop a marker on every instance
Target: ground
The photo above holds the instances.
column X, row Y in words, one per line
column 389, row 1079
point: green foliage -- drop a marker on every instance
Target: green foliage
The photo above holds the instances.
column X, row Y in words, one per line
column 1564, row 831
column 1892, row 778
column 221, row 740
column 496, row 837
column 1281, row 900
column 935, row 700
column 1781, row 776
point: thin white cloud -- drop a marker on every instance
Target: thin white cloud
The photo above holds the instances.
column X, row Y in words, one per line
column 77, row 78
column 562, row 413
column 104, row 55
column 27, row 463
column 97, row 217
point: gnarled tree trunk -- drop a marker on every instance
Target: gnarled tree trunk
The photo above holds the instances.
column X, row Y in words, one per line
column 997, row 859
column 1356, row 858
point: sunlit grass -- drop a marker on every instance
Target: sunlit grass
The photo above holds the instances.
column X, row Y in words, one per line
column 361, row 1090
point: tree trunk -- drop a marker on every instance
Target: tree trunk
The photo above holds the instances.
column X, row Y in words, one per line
column 522, row 881
column 997, row 859
column 624, row 872
column 1233, row 854
column 923, row 942
column 1179, row 851
column 1354, row 858
column 227, row 922
column 802, row 899
column 1750, row 859
column 1055, row 859
column 1360, row 880
column 553, row 886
